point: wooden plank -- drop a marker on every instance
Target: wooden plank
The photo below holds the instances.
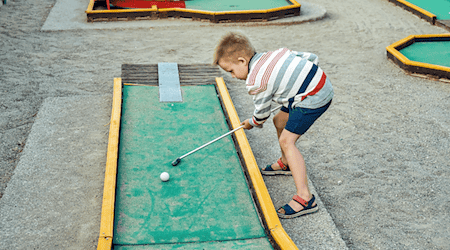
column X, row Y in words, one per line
column 109, row 189
column 190, row 74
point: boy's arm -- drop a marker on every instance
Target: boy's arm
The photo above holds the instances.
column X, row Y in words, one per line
column 308, row 56
column 262, row 110
column 248, row 125
column 254, row 122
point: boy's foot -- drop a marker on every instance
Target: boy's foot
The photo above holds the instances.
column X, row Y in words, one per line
column 297, row 207
column 277, row 168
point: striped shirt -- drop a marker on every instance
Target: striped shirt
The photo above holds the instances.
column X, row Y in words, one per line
column 286, row 77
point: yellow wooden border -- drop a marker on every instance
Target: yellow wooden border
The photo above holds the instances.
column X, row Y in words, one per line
column 393, row 49
column 432, row 35
column 109, row 188
column 90, row 10
column 90, row 7
column 417, row 8
column 273, row 222
column 403, row 59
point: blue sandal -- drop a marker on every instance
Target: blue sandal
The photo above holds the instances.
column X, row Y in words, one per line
column 308, row 208
column 268, row 170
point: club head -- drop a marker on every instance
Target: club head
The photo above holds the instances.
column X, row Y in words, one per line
column 175, row 162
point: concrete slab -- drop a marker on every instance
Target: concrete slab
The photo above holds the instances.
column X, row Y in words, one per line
column 53, row 200
column 70, row 15
column 169, row 83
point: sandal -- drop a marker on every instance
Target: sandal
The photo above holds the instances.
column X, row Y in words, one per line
column 308, row 208
column 268, row 170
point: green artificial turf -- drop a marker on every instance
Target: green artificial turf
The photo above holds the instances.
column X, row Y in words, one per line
column 235, row 5
column 436, row 52
column 206, row 199
column 441, row 8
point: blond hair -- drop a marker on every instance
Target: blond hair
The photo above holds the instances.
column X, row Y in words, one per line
column 232, row 46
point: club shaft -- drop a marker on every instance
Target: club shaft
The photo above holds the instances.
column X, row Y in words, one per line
column 276, row 109
column 206, row 144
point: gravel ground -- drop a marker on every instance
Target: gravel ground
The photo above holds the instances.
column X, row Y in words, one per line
column 379, row 158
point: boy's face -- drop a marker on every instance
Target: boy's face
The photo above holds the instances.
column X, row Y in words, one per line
column 237, row 70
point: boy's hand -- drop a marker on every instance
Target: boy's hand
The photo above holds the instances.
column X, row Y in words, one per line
column 247, row 124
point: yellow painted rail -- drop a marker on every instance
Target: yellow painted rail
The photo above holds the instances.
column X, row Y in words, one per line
column 417, row 8
column 109, row 188
column 273, row 222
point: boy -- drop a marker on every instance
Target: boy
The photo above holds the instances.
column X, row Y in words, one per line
column 293, row 80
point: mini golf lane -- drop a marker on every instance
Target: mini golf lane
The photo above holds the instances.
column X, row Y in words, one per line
column 213, row 10
column 437, row 12
column 425, row 55
column 206, row 203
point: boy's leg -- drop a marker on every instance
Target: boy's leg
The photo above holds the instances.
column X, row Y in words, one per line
column 300, row 120
column 298, row 167
column 280, row 120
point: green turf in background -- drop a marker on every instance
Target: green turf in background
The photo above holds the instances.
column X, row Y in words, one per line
column 437, row 53
column 441, row 8
column 235, row 5
column 206, row 198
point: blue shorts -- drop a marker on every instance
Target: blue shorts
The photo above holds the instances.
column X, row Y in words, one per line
column 301, row 119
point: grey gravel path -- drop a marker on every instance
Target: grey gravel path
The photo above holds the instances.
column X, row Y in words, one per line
column 378, row 159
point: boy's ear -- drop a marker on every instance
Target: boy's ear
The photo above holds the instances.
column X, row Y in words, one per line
column 242, row 60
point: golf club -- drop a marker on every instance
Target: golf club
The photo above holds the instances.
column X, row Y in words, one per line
column 177, row 161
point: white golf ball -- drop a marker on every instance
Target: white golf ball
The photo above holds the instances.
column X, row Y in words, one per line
column 164, row 176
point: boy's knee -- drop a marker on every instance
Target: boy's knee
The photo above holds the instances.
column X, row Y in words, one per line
column 284, row 142
column 287, row 140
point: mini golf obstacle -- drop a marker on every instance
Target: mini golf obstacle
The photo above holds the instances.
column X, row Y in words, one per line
column 427, row 55
column 436, row 12
column 213, row 10
column 215, row 198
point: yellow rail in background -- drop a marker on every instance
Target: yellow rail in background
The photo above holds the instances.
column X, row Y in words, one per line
column 393, row 49
column 417, row 8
